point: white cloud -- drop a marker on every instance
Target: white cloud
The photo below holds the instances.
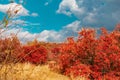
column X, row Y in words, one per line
column 74, row 26
column 23, row 36
column 17, row 22
column 49, row 35
column 34, row 14
column 90, row 18
column 46, row 35
column 12, row 7
column 69, row 7
column 91, row 12
column 61, row 35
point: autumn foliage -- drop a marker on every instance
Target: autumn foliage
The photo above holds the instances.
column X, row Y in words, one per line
column 91, row 56
column 34, row 53
column 95, row 56
column 9, row 49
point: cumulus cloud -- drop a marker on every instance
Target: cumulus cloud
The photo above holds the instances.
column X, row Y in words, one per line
column 34, row 14
column 61, row 35
column 12, row 7
column 69, row 7
column 91, row 12
column 74, row 26
column 46, row 35
column 23, row 36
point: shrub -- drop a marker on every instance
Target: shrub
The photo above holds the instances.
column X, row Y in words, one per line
column 96, row 57
column 9, row 49
column 35, row 54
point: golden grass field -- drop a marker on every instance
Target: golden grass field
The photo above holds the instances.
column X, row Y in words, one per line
column 27, row 71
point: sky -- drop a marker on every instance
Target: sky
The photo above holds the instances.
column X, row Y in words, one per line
column 54, row 20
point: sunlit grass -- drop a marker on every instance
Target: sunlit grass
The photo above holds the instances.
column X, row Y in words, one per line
column 28, row 71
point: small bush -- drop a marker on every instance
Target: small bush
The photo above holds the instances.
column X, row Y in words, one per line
column 9, row 49
column 35, row 54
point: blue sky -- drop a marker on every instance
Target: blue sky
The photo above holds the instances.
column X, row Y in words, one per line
column 47, row 16
column 54, row 20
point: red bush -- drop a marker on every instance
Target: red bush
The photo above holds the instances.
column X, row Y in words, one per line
column 78, row 70
column 92, row 56
column 97, row 56
column 35, row 54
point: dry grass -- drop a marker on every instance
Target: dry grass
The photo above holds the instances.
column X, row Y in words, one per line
column 28, row 71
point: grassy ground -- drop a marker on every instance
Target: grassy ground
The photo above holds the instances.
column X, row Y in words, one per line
column 28, row 71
